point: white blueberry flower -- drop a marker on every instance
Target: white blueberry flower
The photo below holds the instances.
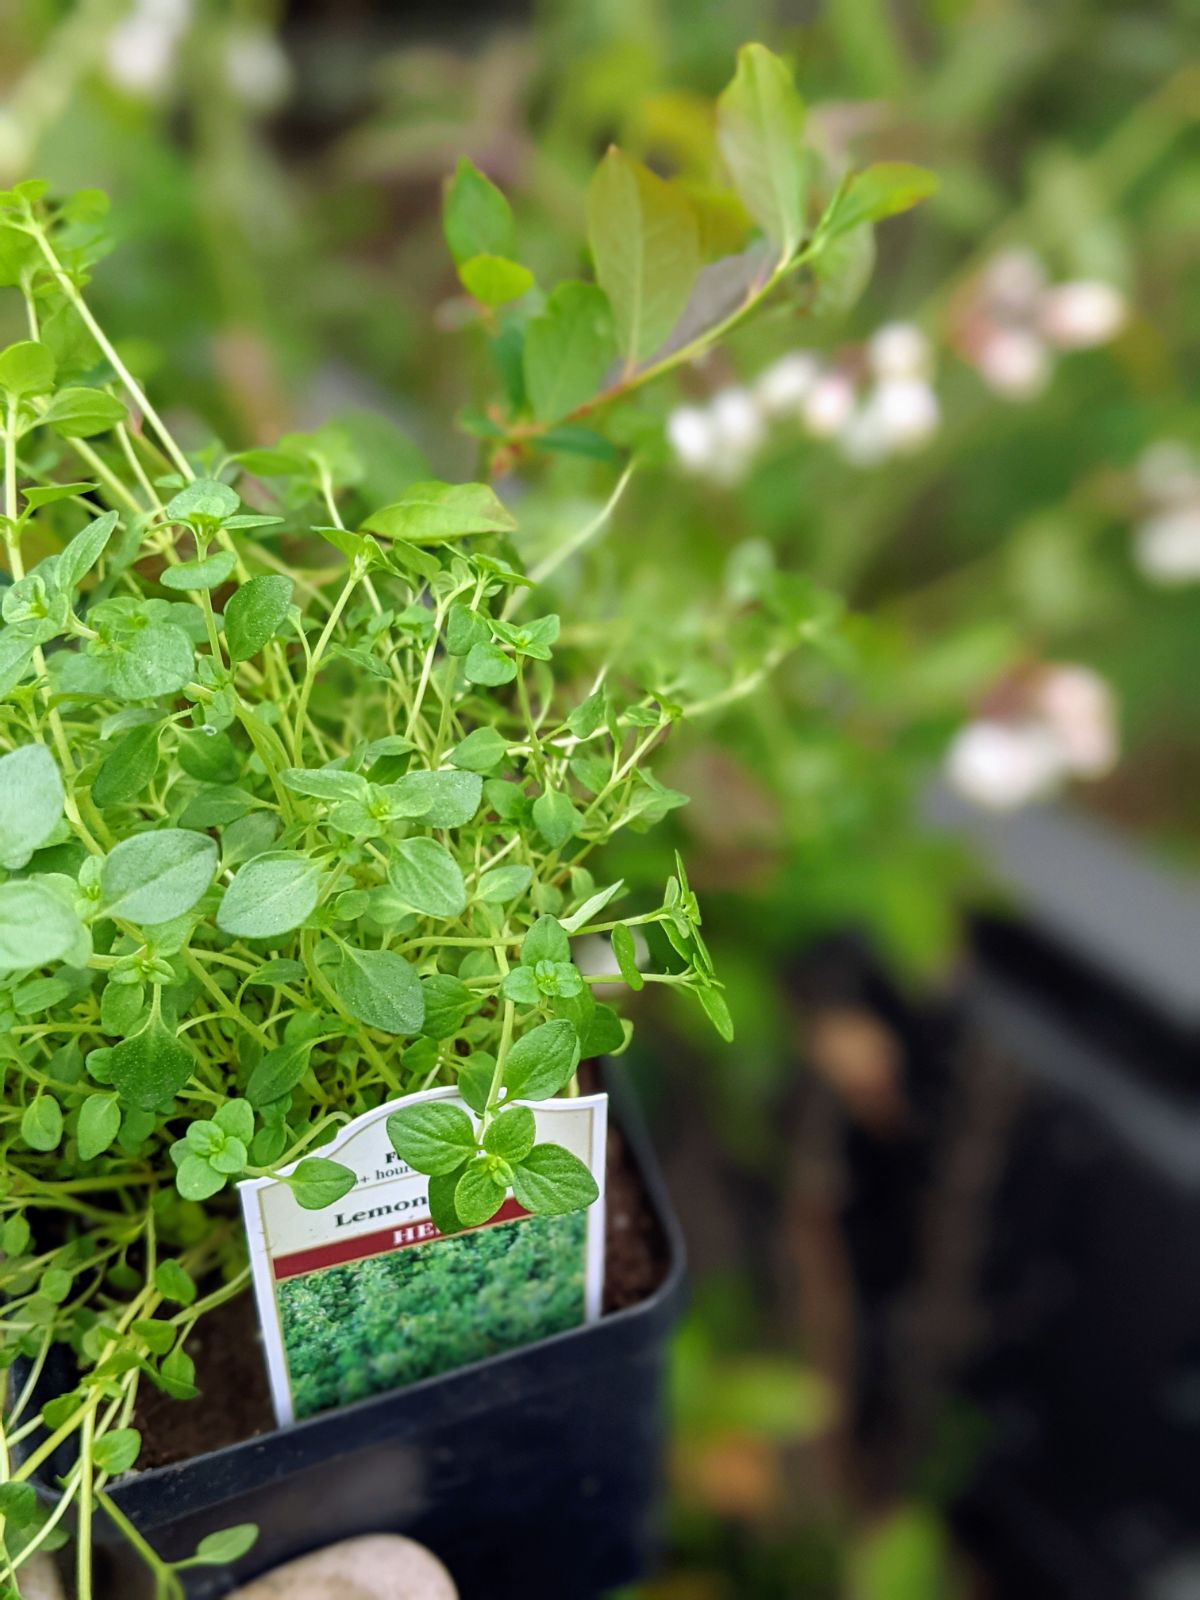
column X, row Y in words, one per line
column 1004, row 765
column 139, row 56
column 1014, row 362
column 900, row 350
column 692, row 436
column 140, row 52
column 737, row 421
column 782, row 388
column 1167, row 545
column 908, row 412
column 1077, row 707
column 1083, row 313
column 257, row 68
column 863, row 439
column 829, row 406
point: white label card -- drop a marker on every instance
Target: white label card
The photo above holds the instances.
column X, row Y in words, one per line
column 367, row 1295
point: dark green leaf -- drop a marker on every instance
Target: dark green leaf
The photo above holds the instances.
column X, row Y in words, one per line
column 646, row 246
column 255, row 614
column 432, row 1138
column 551, row 1182
column 542, row 1061
column 568, row 349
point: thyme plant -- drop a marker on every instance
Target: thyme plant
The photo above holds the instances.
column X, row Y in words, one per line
column 283, row 838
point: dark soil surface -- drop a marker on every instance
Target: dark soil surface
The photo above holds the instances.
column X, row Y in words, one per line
column 235, row 1401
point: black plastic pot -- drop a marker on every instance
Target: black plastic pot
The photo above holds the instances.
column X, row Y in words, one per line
column 1042, row 1208
column 532, row 1474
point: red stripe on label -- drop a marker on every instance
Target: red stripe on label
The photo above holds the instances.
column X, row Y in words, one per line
column 400, row 1236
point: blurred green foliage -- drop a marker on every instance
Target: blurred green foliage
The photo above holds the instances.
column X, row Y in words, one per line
column 284, row 258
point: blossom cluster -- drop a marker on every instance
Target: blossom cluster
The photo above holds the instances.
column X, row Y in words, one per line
column 144, row 51
column 874, row 402
column 1053, row 724
column 1167, row 537
column 1011, row 321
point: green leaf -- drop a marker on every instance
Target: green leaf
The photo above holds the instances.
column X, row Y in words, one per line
column 377, row 987
column 646, row 246
column 502, row 883
column 206, row 574
column 269, row 896
column 174, row 1283
column 716, row 1010
column 153, row 877
column 477, row 1195
column 494, row 280
column 18, row 1505
column 438, row 799
column 464, row 628
column 177, row 1374
column 46, row 494
column 37, row 926
column 42, row 1123
column 427, row 878
column 31, row 802
column 116, row 1452
column 154, row 661
column 83, row 552
column 542, row 1061
column 236, row 1119
column 760, row 132
column 318, row 1182
column 482, row 750
column 568, row 350
column 880, row 191
column 841, row 271
column 434, row 1138
column 592, row 906
column 151, row 1068
column 128, row 768
column 203, row 501
column 197, row 1178
column 447, row 1002
column 80, row 413
column 255, row 614
column 99, row 1124
column 325, row 783
column 625, row 951
column 556, row 817
column 442, row 1209
column 487, row 664
column 587, row 715
column 512, row 1134
column 476, row 217
column 551, row 1182
column 26, row 369
column 545, row 941
column 230, row 1545
column 432, row 513
column 279, row 1072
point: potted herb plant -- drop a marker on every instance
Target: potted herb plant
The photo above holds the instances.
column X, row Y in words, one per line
column 280, row 843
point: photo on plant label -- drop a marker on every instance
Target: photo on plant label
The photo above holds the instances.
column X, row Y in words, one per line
column 393, row 1318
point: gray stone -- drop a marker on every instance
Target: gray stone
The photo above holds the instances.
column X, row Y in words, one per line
column 39, row 1580
column 379, row 1567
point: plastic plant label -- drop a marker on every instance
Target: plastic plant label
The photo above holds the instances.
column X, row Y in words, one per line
column 366, row 1294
